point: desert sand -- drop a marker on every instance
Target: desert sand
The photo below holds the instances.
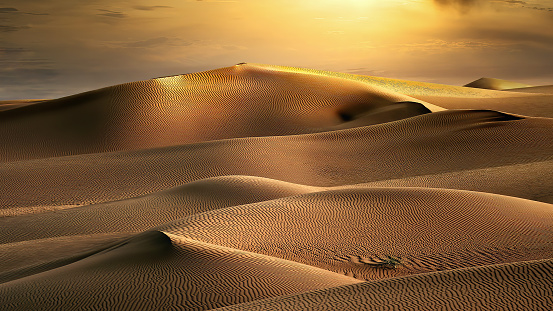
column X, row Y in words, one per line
column 262, row 187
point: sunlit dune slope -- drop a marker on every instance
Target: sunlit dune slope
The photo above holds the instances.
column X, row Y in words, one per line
column 374, row 233
column 260, row 187
column 543, row 89
column 142, row 213
column 495, row 84
column 530, row 180
column 516, row 286
column 436, row 143
column 238, row 101
column 448, row 96
column 156, row 271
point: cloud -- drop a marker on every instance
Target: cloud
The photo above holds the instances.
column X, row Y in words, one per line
column 512, row 1
column 465, row 6
column 16, row 11
column 151, row 8
column 9, row 28
column 109, row 13
column 8, row 10
column 4, row 51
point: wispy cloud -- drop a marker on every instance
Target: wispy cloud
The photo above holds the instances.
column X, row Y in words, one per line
column 465, row 5
column 8, row 10
column 5, row 51
column 110, row 13
column 151, row 8
column 10, row 28
column 16, row 11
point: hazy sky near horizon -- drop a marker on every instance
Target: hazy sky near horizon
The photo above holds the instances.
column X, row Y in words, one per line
column 54, row 48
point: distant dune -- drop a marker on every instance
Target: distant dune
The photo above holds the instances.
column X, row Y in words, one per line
column 544, row 89
column 260, row 187
column 483, row 288
column 496, row 84
column 12, row 104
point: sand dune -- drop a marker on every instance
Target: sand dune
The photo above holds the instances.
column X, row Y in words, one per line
column 442, row 142
column 452, row 97
column 142, row 213
column 238, row 101
column 257, row 187
column 155, row 271
column 12, row 104
column 517, row 286
column 495, row 84
column 22, row 259
column 360, row 232
column 544, row 89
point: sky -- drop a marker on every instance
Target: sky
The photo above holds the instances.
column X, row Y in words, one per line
column 55, row 48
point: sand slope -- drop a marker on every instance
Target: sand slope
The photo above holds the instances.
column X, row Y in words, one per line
column 543, row 89
column 518, row 286
column 142, row 213
column 155, row 271
column 435, row 143
column 12, row 104
column 238, row 101
column 258, row 187
column 495, row 84
column 358, row 231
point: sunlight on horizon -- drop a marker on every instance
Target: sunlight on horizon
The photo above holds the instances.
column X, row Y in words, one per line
column 51, row 49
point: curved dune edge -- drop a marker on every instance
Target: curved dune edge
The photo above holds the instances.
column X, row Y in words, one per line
column 154, row 270
column 496, row 84
column 142, row 213
column 26, row 258
column 436, row 143
column 253, row 182
column 452, row 97
column 232, row 102
column 374, row 233
column 542, row 89
column 516, row 286
column 528, row 181
column 411, row 88
column 13, row 104
column 227, row 190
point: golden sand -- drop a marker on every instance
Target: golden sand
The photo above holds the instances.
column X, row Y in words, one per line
column 259, row 187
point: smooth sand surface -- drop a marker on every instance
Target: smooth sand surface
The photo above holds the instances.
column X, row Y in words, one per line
column 543, row 89
column 261, row 187
column 496, row 84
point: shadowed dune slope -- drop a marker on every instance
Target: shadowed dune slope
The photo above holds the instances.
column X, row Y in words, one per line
column 155, row 271
column 442, row 142
column 21, row 259
column 142, row 213
column 238, row 101
column 12, row 104
column 516, row 286
column 375, row 233
column 495, row 84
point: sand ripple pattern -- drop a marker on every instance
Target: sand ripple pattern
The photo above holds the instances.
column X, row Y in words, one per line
column 259, row 187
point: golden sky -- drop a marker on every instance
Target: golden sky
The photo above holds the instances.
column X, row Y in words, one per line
column 53, row 48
